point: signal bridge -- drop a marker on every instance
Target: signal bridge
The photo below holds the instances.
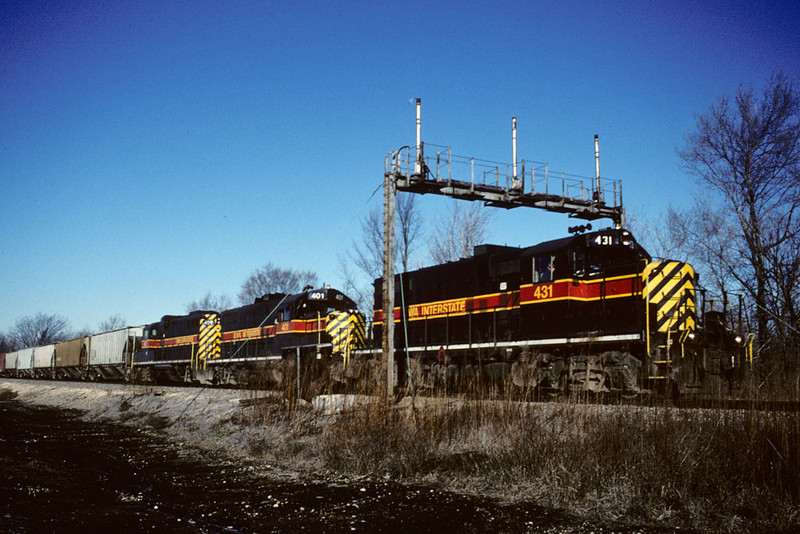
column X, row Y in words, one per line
column 500, row 185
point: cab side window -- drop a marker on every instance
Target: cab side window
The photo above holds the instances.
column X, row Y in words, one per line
column 544, row 269
column 586, row 264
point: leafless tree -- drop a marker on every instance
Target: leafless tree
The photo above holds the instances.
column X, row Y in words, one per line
column 747, row 152
column 652, row 231
column 363, row 263
column 274, row 279
column 409, row 225
column 367, row 254
column 6, row 344
column 210, row 302
column 40, row 329
column 703, row 235
column 454, row 237
column 115, row 322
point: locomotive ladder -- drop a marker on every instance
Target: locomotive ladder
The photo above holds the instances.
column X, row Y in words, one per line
column 477, row 180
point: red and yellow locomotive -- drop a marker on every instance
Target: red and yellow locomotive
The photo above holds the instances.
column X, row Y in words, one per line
column 589, row 312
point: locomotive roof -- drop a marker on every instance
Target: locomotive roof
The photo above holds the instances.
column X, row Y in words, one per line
column 573, row 240
column 548, row 246
column 555, row 244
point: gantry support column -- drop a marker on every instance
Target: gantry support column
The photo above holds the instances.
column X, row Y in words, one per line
column 389, row 192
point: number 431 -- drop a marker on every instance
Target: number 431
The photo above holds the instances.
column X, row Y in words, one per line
column 543, row 292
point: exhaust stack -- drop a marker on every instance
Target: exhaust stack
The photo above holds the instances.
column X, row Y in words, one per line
column 598, row 196
column 514, row 147
column 418, row 164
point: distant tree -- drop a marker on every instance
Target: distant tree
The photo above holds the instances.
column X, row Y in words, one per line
column 40, row 329
column 353, row 283
column 210, row 302
column 274, row 279
column 455, row 236
column 6, row 345
column 652, row 233
column 115, row 322
column 85, row 332
column 704, row 239
column 747, row 152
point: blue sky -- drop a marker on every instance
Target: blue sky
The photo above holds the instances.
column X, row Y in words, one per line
column 151, row 152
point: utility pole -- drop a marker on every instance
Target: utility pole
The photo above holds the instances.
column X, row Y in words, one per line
column 389, row 193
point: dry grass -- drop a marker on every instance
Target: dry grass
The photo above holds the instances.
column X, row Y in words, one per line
column 711, row 469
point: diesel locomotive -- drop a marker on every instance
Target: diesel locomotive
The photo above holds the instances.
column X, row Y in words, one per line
column 590, row 312
column 266, row 340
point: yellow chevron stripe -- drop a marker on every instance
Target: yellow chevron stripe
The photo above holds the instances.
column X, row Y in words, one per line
column 210, row 337
column 347, row 331
column 669, row 287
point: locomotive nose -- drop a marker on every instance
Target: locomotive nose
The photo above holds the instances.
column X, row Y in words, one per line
column 346, row 329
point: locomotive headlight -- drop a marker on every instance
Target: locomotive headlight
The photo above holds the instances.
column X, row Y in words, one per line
column 738, row 339
column 691, row 335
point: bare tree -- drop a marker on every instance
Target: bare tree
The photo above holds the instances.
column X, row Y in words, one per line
column 654, row 234
column 115, row 322
column 40, row 329
column 363, row 263
column 274, row 279
column 455, row 237
column 748, row 152
column 354, row 284
column 703, row 234
column 409, row 225
column 210, row 302
column 367, row 254
column 6, row 344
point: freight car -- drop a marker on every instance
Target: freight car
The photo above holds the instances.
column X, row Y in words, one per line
column 107, row 355
column 592, row 311
column 266, row 339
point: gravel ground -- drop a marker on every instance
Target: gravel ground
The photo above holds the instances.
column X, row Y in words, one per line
column 90, row 457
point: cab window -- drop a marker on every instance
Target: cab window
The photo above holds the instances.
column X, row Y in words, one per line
column 544, row 269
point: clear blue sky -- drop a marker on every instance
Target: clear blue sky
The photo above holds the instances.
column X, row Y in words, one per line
column 153, row 151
